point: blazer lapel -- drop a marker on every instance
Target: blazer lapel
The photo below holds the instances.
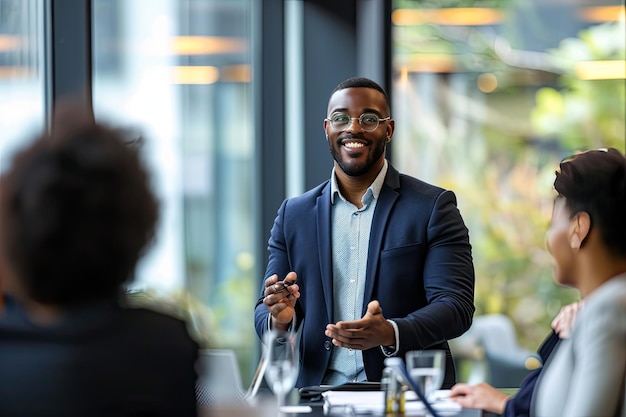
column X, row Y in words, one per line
column 325, row 246
column 386, row 200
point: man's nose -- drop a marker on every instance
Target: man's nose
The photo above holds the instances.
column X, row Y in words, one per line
column 354, row 125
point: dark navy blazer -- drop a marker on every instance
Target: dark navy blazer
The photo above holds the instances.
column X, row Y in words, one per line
column 419, row 268
column 519, row 404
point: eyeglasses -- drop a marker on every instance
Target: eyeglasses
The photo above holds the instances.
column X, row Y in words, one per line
column 368, row 121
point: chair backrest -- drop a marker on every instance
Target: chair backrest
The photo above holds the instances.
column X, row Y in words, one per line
column 495, row 333
column 507, row 362
column 219, row 380
column 492, row 348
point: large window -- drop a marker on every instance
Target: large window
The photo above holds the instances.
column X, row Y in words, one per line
column 489, row 96
column 21, row 73
column 178, row 75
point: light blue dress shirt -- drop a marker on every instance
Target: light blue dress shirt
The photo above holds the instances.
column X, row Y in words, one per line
column 350, row 242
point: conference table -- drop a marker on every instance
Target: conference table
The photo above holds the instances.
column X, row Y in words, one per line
column 318, row 410
column 318, row 407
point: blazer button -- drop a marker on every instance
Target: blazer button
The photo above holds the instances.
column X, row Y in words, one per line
column 327, row 345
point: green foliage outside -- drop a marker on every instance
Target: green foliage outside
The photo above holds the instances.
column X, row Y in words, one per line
column 514, row 268
column 502, row 172
column 585, row 114
column 435, row 4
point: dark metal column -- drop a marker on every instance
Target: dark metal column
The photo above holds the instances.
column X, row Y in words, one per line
column 270, row 109
column 330, row 56
column 68, row 53
column 342, row 39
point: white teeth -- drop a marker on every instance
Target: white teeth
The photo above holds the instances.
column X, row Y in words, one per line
column 354, row 145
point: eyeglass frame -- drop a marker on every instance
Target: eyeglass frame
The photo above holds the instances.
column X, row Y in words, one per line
column 380, row 119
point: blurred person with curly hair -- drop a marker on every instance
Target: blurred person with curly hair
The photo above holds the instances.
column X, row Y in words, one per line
column 76, row 214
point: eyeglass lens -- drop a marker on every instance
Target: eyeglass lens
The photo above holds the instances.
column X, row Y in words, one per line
column 368, row 121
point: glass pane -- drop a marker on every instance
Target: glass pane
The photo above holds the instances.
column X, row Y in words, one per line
column 21, row 73
column 488, row 97
column 178, row 74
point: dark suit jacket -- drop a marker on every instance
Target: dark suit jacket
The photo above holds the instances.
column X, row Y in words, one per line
column 419, row 268
column 100, row 360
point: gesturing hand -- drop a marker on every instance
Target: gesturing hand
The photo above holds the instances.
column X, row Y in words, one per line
column 564, row 321
column 369, row 331
column 280, row 299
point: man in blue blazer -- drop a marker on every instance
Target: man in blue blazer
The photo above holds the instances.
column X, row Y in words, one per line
column 371, row 263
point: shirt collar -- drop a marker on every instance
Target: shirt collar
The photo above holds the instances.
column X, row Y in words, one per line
column 372, row 192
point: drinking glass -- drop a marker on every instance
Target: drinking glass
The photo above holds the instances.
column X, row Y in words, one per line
column 281, row 355
column 427, row 369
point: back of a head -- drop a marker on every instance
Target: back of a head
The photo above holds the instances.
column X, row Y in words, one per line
column 595, row 182
column 77, row 212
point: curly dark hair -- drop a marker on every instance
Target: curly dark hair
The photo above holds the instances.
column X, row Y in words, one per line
column 357, row 82
column 595, row 182
column 77, row 212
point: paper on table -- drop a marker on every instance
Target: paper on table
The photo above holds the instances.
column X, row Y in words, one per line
column 359, row 401
column 373, row 402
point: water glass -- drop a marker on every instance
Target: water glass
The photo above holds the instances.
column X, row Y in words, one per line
column 281, row 354
column 427, row 369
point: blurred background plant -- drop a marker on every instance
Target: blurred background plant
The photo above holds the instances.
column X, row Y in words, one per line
column 583, row 112
column 215, row 327
column 514, row 268
column 179, row 303
column 488, row 110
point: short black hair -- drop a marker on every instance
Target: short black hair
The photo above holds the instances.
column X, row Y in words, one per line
column 357, row 82
column 595, row 182
column 76, row 213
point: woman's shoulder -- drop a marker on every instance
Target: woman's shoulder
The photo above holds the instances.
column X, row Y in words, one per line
column 604, row 311
column 609, row 296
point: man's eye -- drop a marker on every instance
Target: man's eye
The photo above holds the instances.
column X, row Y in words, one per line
column 370, row 118
column 340, row 118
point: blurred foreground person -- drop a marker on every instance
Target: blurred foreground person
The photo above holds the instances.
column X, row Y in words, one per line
column 76, row 214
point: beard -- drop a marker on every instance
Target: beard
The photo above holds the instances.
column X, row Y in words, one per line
column 348, row 164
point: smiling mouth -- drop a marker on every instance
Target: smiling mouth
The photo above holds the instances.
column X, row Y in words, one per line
column 353, row 142
column 354, row 145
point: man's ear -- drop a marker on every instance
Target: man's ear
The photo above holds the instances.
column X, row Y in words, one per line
column 390, row 128
column 580, row 228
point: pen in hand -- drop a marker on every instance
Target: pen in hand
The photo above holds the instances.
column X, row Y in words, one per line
column 285, row 285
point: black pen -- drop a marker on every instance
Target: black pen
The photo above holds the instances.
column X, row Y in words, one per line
column 285, row 284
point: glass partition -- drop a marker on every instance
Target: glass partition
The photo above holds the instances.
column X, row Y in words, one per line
column 21, row 74
column 178, row 75
column 488, row 97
